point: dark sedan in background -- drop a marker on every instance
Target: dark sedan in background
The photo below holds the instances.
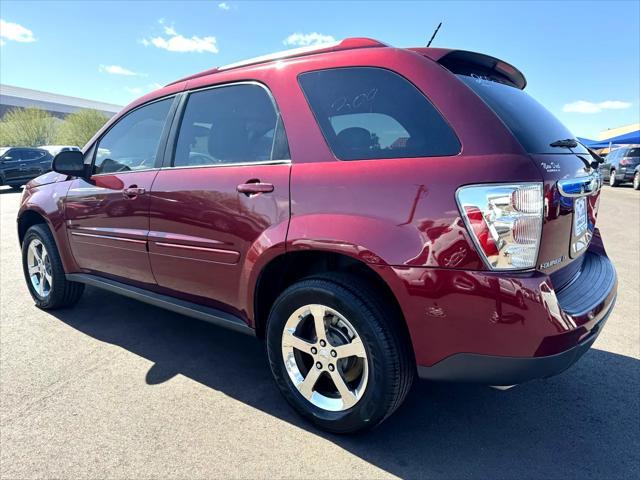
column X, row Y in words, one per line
column 621, row 165
column 18, row 165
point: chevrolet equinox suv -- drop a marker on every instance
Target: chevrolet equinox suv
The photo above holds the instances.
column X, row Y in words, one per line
column 372, row 213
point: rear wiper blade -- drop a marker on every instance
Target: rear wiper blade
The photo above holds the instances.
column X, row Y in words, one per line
column 598, row 158
column 567, row 142
column 572, row 143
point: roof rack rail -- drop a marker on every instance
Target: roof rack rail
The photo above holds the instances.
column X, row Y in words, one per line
column 346, row 44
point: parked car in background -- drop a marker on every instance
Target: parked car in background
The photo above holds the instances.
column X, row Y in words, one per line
column 371, row 212
column 56, row 149
column 18, row 165
column 620, row 166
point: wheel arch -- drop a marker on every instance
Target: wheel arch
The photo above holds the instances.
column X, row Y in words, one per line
column 29, row 218
column 289, row 267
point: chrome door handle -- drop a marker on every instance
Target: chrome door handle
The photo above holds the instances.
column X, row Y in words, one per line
column 254, row 188
column 133, row 191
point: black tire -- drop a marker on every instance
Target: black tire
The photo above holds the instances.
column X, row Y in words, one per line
column 636, row 180
column 391, row 367
column 62, row 293
column 612, row 179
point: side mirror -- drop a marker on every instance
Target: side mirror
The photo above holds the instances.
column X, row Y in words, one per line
column 69, row 163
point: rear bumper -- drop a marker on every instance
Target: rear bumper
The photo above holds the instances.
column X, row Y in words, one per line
column 497, row 370
column 503, row 329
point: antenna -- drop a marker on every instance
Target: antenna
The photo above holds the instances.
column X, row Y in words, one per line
column 434, row 34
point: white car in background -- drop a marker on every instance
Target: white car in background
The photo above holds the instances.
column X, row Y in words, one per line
column 55, row 149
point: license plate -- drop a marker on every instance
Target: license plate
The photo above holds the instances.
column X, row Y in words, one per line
column 580, row 217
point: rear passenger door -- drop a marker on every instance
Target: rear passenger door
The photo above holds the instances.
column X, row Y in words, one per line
column 224, row 188
column 34, row 162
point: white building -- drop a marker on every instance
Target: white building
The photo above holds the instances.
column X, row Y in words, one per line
column 57, row 105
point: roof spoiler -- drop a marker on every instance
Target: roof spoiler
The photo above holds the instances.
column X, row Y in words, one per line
column 470, row 63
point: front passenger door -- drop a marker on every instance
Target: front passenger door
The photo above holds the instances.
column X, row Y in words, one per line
column 108, row 215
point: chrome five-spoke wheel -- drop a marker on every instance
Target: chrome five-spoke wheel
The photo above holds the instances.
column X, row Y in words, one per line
column 39, row 268
column 325, row 357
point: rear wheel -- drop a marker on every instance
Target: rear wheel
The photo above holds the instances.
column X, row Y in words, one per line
column 636, row 180
column 337, row 354
column 612, row 179
column 44, row 273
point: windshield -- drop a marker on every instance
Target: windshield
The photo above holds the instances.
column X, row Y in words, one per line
column 3, row 150
column 534, row 126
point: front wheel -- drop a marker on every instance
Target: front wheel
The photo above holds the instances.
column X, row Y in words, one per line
column 636, row 180
column 44, row 273
column 337, row 354
column 612, row 179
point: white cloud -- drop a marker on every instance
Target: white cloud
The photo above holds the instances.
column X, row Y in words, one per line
column 118, row 70
column 305, row 39
column 224, row 6
column 146, row 89
column 174, row 42
column 582, row 106
column 15, row 32
column 2, row 42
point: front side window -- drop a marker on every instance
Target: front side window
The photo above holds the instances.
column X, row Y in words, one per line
column 367, row 113
column 132, row 143
column 230, row 124
column 33, row 155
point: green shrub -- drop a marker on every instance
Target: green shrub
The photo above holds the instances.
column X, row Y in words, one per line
column 78, row 127
column 29, row 127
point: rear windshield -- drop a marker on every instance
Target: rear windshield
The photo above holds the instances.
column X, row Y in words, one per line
column 532, row 124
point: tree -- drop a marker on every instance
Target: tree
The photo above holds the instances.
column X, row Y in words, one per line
column 29, row 127
column 79, row 127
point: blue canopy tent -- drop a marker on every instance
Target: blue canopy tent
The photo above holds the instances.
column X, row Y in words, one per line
column 593, row 143
column 624, row 139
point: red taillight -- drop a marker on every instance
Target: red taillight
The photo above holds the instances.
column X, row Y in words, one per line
column 505, row 221
column 481, row 230
column 626, row 161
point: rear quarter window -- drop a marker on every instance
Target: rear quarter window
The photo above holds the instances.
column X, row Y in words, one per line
column 369, row 113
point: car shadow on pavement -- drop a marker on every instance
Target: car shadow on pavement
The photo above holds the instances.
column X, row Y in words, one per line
column 582, row 424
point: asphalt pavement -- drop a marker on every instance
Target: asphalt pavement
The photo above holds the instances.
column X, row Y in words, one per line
column 118, row 389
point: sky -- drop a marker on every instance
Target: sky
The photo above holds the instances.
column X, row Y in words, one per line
column 581, row 59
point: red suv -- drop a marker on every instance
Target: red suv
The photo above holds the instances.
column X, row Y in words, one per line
column 371, row 212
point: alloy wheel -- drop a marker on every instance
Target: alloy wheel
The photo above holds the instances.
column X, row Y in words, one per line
column 39, row 268
column 612, row 178
column 325, row 357
column 636, row 181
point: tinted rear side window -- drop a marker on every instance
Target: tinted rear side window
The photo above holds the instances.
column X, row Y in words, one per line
column 534, row 126
column 230, row 124
column 367, row 113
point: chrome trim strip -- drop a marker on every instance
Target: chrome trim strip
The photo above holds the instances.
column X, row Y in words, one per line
column 201, row 249
column 227, row 165
column 580, row 187
column 121, row 239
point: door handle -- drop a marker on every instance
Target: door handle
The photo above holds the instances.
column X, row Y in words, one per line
column 253, row 188
column 133, row 191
